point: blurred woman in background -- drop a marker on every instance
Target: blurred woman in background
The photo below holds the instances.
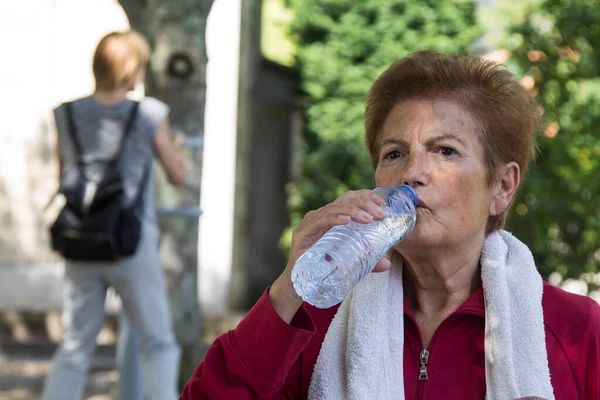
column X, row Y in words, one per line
column 100, row 122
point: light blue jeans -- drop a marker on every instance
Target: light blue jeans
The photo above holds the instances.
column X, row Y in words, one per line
column 140, row 283
column 129, row 362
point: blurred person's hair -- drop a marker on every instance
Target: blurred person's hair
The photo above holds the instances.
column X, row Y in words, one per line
column 507, row 116
column 119, row 58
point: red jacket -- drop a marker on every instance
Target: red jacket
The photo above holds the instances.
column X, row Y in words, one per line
column 265, row 358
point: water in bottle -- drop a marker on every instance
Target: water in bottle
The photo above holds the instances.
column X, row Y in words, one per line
column 325, row 274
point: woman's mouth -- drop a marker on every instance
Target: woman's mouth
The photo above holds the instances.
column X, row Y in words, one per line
column 421, row 204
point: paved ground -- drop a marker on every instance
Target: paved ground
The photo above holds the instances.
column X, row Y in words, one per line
column 24, row 382
column 23, row 368
column 26, row 351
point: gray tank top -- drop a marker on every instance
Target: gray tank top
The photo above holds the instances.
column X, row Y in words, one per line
column 100, row 128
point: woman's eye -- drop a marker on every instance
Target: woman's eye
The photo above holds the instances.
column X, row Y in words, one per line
column 447, row 151
column 391, row 155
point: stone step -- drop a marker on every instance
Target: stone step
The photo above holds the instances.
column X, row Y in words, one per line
column 42, row 351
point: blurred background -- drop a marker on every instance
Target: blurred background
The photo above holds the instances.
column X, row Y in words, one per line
column 270, row 96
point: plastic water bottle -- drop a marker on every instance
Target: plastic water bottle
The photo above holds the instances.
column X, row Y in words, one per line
column 325, row 274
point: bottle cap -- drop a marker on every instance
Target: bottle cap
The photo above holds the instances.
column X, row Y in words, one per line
column 411, row 192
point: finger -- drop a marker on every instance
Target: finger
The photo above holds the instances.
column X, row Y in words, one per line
column 354, row 211
column 316, row 226
column 367, row 200
column 361, row 206
column 372, row 208
column 382, row 265
column 352, row 196
column 376, row 198
column 337, row 219
column 316, row 223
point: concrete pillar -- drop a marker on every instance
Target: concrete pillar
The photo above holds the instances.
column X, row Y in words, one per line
column 233, row 42
column 216, row 232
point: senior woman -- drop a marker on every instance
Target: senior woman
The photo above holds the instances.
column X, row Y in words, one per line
column 458, row 309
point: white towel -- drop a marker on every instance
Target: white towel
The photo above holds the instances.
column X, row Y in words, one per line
column 362, row 354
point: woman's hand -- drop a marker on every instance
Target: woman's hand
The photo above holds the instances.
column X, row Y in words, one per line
column 361, row 206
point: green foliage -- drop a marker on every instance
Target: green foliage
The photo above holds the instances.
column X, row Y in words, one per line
column 559, row 205
column 342, row 46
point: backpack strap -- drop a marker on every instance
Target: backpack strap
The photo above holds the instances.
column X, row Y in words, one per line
column 138, row 201
column 76, row 143
column 72, row 131
column 128, row 127
column 130, row 120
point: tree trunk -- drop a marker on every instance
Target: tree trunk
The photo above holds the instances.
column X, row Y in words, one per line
column 177, row 76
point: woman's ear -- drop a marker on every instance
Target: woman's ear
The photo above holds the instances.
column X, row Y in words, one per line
column 505, row 188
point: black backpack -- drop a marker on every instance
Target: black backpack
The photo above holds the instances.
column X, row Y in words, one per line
column 94, row 224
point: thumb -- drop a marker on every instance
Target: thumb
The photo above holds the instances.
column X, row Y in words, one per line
column 382, row 265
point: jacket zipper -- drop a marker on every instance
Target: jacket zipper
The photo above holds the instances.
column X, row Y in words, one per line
column 425, row 354
column 424, row 359
column 423, row 370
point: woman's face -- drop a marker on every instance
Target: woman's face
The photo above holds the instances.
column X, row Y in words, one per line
column 432, row 145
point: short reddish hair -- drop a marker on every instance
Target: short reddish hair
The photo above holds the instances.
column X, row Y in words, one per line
column 508, row 117
column 119, row 57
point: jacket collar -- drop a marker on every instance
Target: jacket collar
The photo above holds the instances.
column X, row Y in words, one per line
column 474, row 305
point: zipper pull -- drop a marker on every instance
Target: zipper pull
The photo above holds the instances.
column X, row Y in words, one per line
column 423, row 370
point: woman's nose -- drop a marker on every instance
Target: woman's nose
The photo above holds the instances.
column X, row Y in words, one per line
column 417, row 172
